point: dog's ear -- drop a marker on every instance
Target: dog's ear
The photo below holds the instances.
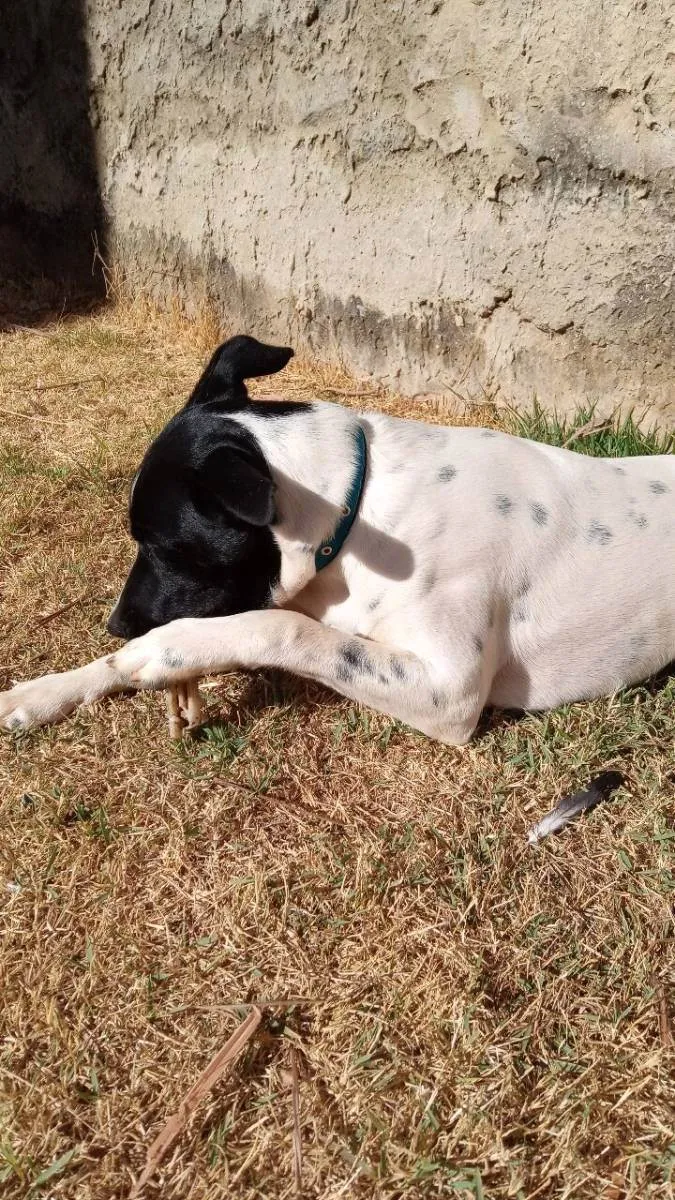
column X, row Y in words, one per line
column 238, row 480
column 238, row 359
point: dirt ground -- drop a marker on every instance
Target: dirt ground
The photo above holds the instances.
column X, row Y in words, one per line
column 465, row 1015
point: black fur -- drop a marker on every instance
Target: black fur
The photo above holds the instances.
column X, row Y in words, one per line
column 202, row 505
column 236, row 360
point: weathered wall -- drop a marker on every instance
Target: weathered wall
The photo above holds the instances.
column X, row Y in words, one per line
column 447, row 193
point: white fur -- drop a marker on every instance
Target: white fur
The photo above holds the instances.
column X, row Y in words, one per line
column 481, row 568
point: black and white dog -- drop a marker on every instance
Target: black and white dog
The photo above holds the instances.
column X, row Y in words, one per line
column 421, row 570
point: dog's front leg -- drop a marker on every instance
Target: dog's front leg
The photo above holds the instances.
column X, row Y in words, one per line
column 442, row 698
column 48, row 699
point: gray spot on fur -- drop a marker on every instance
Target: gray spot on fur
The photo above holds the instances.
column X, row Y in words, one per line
column 436, row 699
column 539, row 513
column 344, row 673
column 489, row 433
column 620, row 470
column 14, row 722
column 600, row 534
column 524, row 587
column 504, row 505
column 383, row 679
column 639, row 642
column 638, row 519
column 306, row 548
column 429, row 581
column 375, row 603
column 492, row 615
column 447, row 474
column 478, row 643
column 397, row 668
column 658, row 487
column 354, row 658
column 172, row 658
column 520, row 613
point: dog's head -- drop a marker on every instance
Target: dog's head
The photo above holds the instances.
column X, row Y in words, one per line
column 202, row 504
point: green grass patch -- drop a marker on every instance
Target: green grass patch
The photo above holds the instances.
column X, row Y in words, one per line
column 587, row 433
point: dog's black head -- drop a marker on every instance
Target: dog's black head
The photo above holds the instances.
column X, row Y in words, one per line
column 202, row 504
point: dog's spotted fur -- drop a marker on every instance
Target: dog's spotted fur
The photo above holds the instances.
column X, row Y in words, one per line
column 481, row 568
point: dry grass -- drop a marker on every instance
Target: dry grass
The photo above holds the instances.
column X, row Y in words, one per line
column 462, row 1014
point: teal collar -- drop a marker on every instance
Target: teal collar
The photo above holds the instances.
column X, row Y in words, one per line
column 332, row 546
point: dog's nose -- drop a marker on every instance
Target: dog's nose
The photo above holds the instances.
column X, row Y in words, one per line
column 115, row 625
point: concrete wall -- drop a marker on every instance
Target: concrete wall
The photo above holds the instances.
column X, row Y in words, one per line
column 447, row 193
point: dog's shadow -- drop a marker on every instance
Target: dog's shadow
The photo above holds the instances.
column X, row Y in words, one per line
column 275, row 690
column 493, row 719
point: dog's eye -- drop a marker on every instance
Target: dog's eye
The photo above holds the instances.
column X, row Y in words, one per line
column 184, row 558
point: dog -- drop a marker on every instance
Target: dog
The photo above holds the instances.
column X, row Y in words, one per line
column 421, row 570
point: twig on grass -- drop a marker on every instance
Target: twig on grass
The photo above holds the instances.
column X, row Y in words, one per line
column 370, row 395
column 265, row 1002
column 67, row 383
column 297, row 1137
column 58, row 612
column 8, row 412
column 595, row 425
column 458, row 395
column 54, row 387
column 203, row 1085
column 37, row 332
column 665, row 1031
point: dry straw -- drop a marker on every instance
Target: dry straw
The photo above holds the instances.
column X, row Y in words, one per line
column 201, row 1088
column 471, row 1016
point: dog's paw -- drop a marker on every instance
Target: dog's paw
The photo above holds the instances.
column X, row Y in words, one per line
column 39, row 702
column 157, row 659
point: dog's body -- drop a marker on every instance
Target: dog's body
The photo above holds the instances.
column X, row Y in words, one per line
column 480, row 568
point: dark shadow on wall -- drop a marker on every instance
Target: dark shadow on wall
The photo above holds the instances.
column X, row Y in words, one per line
column 50, row 207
